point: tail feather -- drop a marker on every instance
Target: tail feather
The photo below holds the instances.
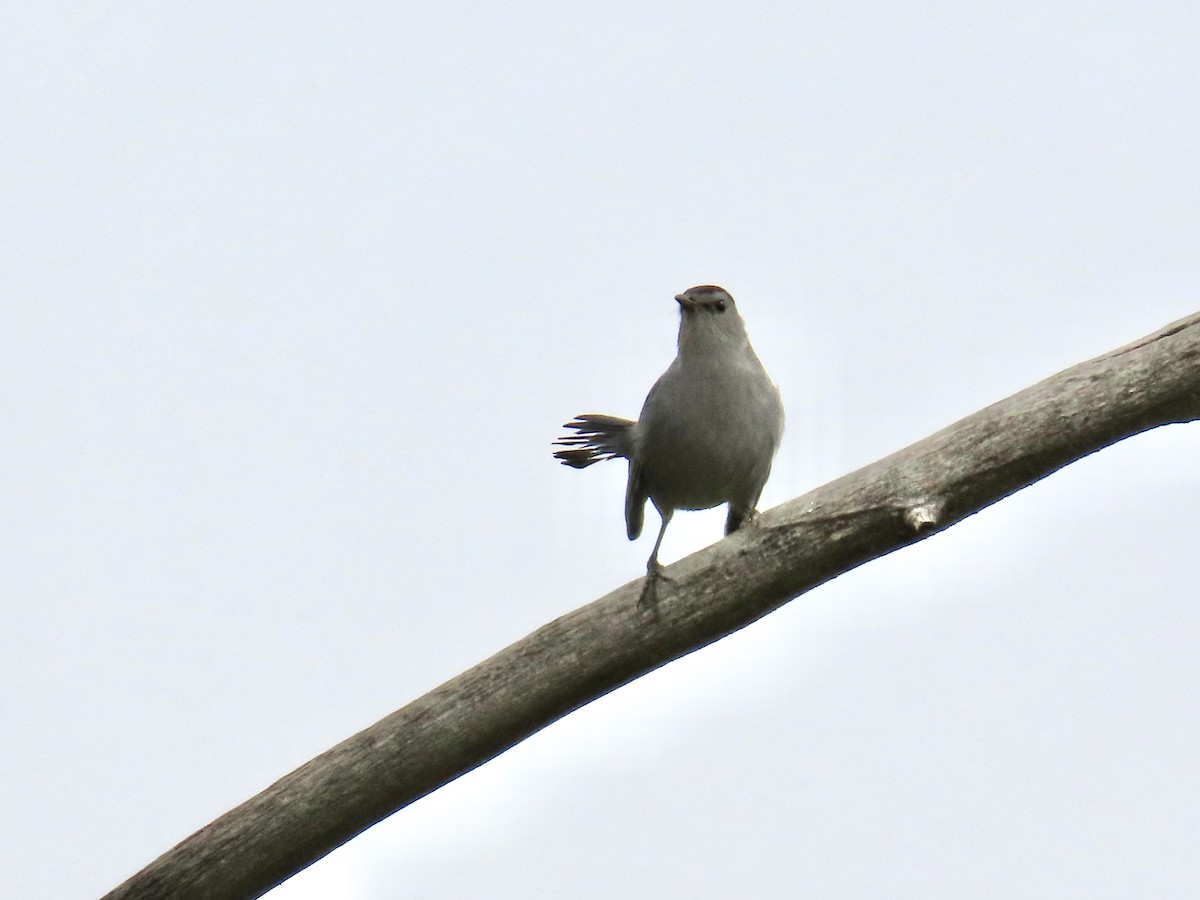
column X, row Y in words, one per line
column 598, row 438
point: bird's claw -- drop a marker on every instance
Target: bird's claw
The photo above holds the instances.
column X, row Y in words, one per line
column 648, row 601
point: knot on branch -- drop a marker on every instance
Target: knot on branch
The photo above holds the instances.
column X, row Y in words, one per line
column 923, row 515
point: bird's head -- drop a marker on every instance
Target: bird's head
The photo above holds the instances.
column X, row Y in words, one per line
column 708, row 319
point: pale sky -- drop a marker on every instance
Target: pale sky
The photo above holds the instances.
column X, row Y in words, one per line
column 295, row 298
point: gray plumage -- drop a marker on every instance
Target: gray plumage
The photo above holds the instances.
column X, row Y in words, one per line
column 707, row 433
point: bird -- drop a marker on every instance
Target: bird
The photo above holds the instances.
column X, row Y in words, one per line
column 707, row 434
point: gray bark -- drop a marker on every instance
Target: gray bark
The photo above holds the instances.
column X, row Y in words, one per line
column 583, row 655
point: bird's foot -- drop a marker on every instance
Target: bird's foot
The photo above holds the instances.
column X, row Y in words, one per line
column 739, row 519
column 648, row 601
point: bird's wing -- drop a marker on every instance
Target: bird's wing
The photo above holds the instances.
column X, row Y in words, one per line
column 635, row 502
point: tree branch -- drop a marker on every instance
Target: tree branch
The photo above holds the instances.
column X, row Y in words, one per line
column 585, row 654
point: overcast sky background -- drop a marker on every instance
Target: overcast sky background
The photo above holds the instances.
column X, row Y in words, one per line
column 295, row 298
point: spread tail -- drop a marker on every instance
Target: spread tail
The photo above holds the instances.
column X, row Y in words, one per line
column 598, row 438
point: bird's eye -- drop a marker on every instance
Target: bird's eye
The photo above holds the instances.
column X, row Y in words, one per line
column 719, row 306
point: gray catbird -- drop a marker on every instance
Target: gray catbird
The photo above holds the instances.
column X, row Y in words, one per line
column 708, row 432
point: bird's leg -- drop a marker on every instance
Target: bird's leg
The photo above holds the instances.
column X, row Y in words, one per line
column 738, row 517
column 654, row 572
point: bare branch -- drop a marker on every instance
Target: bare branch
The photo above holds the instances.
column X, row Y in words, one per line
column 585, row 654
